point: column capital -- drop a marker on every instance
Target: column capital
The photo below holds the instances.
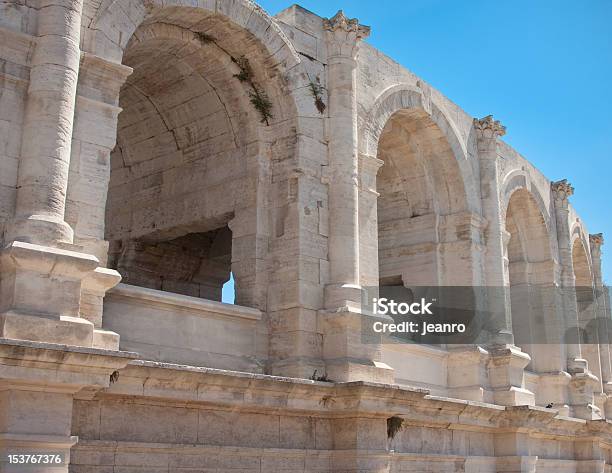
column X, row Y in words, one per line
column 595, row 242
column 596, row 239
column 489, row 127
column 344, row 34
column 561, row 190
column 349, row 25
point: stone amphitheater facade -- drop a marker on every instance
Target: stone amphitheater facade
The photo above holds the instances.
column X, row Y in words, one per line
column 171, row 143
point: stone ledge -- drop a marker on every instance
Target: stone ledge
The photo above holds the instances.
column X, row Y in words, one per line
column 22, row 345
column 203, row 307
column 222, row 389
column 64, row 366
column 35, row 440
column 59, row 368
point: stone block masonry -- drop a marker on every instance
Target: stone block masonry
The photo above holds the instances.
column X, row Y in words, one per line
column 172, row 145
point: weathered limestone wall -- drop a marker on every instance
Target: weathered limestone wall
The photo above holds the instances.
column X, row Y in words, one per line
column 315, row 427
column 148, row 143
column 163, row 326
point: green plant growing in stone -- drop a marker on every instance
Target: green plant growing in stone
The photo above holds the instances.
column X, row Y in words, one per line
column 114, row 377
column 327, row 400
column 205, row 38
column 245, row 74
column 316, row 89
column 258, row 98
column 394, row 425
column 322, row 378
column 262, row 104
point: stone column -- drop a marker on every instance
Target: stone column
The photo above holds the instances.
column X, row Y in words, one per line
column 42, row 272
column 348, row 355
column 343, row 36
column 561, row 191
column 488, row 131
column 582, row 384
column 506, row 369
column 47, row 127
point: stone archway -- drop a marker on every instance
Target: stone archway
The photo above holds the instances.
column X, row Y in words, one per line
column 586, row 305
column 535, row 323
column 186, row 166
column 422, row 196
column 200, row 51
column 421, row 227
column 426, row 192
column 209, row 102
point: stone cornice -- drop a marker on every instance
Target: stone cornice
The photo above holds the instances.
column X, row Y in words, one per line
column 61, row 368
column 488, row 124
column 179, row 384
column 349, row 25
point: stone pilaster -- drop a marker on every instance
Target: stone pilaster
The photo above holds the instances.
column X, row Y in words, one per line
column 507, row 363
column 561, row 191
column 347, row 355
column 582, row 384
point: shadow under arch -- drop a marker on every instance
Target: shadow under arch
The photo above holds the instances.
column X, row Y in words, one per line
column 536, row 325
column 592, row 329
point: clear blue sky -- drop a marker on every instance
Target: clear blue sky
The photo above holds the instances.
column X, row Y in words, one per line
column 544, row 68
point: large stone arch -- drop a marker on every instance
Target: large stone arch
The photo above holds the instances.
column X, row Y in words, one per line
column 520, row 179
column 107, row 26
column 583, row 273
column 531, row 273
column 406, row 97
column 578, row 232
column 427, row 209
column 127, row 32
column 591, row 330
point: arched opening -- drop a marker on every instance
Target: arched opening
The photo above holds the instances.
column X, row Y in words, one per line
column 420, row 187
column 189, row 177
column 535, row 324
column 585, row 304
column 425, row 231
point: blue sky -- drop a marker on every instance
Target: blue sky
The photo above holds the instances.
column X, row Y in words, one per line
column 544, row 68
